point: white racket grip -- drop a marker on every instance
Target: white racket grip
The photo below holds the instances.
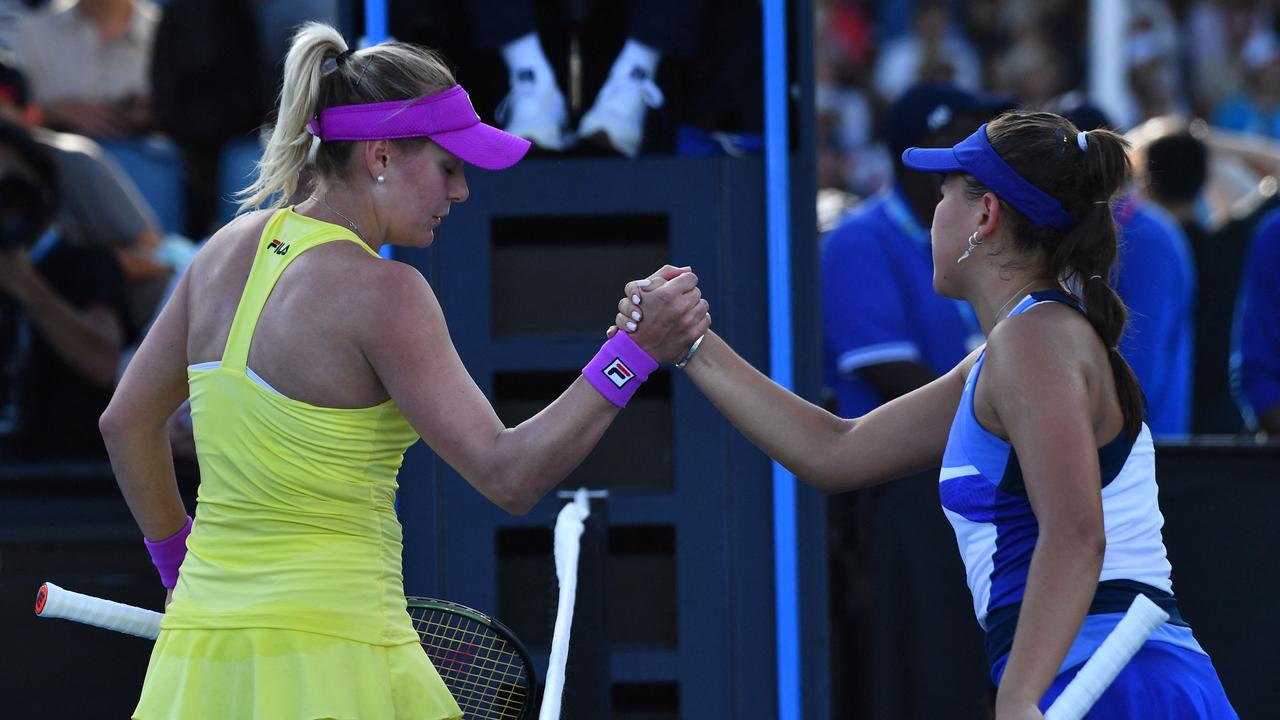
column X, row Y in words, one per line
column 55, row 602
column 1108, row 660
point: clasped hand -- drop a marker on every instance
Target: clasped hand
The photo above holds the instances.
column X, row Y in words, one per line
column 665, row 313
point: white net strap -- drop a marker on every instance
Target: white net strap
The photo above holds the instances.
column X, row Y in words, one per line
column 568, row 536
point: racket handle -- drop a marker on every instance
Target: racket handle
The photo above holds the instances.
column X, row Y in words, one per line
column 1108, row 660
column 55, row 602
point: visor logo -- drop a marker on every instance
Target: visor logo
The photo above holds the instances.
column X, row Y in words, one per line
column 618, row 372
column 938, row 119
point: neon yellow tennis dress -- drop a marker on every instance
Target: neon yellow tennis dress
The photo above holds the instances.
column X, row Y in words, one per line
column 290, row 603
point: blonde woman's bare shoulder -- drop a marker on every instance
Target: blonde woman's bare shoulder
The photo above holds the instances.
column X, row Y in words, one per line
column 241, row 228
column 222, row 257
column 396, row 294
column 396, row 285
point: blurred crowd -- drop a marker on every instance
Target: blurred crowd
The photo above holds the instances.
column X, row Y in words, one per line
column 1198, row 265
column 127, row 125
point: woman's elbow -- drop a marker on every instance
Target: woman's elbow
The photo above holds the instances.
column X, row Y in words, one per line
column 516, row 504
column 509, row 492
column 117, row 422
column 1096, row 544
column 111, row 423
column 1088, row 539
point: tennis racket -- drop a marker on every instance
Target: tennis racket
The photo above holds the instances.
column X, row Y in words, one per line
column 1142, row 618
column 481, row 661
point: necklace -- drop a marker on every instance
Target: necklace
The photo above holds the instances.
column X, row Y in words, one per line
column 350, row 222
column 1016, row 293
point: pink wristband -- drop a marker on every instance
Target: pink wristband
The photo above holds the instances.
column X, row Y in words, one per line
column 167, row 554
column 619, row 368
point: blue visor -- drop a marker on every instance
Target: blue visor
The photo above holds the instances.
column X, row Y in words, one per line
column 975, row 156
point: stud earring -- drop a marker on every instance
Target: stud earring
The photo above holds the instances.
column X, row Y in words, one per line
column 974, row 242
column 382, row 179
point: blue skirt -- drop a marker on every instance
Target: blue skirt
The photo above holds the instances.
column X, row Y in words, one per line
column 1161, row 681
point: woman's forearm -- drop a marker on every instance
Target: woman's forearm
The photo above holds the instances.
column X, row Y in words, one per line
column 1061, row 583
column 143, row 466
column 536, row 455
column 798, row 434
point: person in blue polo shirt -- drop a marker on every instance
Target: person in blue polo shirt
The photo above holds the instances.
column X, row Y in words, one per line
column 1256, row 358
column 1156, row 278
column 885, row 331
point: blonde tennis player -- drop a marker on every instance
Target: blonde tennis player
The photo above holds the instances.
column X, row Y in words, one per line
column 312, row 364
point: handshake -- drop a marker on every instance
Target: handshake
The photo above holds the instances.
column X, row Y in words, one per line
column 665, row 314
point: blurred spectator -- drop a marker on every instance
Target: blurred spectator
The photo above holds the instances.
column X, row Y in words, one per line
column 1156, row 278
column 214, row 118
column 1217, row 30
column 1031, row 70
column 848, row 156
column 1255, row 109
column 68, row 305
column 203, row 111
column 101, row 208
column 886, row 332
column 1256, row 362
column 535, row 108
column 988, row 28
column 1239, row 189
column 87, row 61
column 1151, row 58
column 11, row 12
column 932, row 52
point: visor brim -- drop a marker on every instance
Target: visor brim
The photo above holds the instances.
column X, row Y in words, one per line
column 933, row 160
column 484, row 146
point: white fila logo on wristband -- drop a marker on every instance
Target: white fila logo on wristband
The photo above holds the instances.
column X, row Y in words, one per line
column 618, row 373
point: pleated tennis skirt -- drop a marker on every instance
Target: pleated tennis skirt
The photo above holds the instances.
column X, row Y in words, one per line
column 269, row 674
column 1161, row 681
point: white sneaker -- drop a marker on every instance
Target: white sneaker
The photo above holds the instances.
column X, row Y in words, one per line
column 535, row 110
column 617, row 116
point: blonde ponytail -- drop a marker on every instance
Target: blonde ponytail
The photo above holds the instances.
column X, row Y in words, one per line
column 286, row 151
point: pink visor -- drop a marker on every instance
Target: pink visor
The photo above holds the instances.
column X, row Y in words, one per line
column 446, row 117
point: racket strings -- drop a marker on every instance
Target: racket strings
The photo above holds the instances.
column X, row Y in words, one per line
column 485, row 673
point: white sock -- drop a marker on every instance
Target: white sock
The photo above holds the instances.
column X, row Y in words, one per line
column 525, row 53
column 636, row 54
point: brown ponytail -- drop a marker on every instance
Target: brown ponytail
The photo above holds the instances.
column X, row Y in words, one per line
column 1046, row 150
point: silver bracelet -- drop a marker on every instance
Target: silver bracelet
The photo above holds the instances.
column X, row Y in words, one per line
column 689, row 355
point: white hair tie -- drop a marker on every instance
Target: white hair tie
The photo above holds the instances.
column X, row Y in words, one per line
column 1083, row 140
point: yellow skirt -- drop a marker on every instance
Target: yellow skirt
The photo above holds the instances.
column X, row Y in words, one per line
column 288, row 675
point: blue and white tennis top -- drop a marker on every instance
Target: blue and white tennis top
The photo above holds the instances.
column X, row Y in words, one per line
column 984, row 497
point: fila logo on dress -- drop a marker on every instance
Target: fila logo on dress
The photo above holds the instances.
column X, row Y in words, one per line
column 278, row 247
column 618, row 372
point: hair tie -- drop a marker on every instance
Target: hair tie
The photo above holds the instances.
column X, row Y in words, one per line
column 335, row 62
column 1083, row 140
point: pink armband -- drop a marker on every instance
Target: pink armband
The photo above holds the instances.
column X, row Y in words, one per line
column 619, row 368
column 167, row 554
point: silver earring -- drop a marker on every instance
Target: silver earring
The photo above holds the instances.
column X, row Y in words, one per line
column 974, row 242
column 382, row 179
